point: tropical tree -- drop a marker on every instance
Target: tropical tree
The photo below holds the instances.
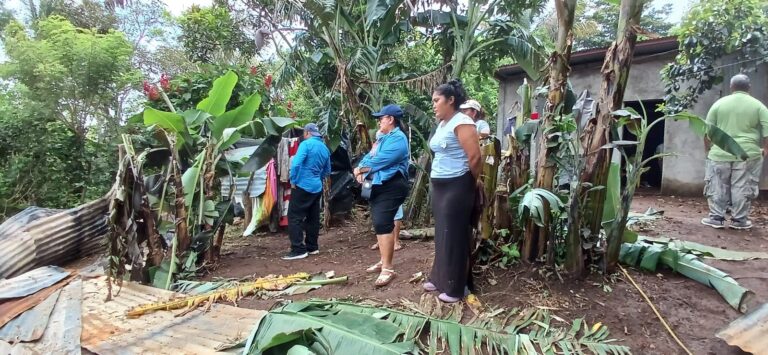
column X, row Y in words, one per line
column 711, row 31
column 186, row 153
column 75, row 76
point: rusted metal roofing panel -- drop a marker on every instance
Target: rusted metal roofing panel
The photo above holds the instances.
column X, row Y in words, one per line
column 10, row 309
column 106, row 330
column 62, row 336
column 53, row 239
column 750, row 332
column 30, row 325
column 31, row 282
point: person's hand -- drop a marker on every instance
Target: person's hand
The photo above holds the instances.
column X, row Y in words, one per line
column 360, row 178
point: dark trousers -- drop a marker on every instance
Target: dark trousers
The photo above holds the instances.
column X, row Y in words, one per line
column 304, row 215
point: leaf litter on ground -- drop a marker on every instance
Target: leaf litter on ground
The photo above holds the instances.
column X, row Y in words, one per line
column 429, row 326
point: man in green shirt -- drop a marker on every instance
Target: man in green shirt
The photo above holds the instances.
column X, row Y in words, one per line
column 728, row 180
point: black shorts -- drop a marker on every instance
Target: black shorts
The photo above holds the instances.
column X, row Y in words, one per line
column 385, row 200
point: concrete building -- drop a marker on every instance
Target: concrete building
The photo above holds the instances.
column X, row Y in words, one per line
column 679, row 175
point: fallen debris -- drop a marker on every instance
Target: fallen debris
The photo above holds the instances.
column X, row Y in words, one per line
column 359, row 328
column 31, row 282
column 233, row 294
column 39, row 237
column 648, row 256
column 106, row 330
column 707, row 251
column 420, row 233
column 749, row 332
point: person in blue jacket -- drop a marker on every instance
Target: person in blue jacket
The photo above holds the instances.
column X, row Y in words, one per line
column 309, row 167
column 387, row 167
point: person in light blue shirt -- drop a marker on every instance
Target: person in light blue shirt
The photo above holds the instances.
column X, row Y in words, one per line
column 387, row 168
column 309, row 167
column 398, row 215
column 456, row 168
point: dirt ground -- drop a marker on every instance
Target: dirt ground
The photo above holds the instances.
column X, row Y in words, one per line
column 694, row 311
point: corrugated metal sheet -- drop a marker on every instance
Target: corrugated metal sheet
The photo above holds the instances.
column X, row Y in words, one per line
column 62, row 335
column 52, row 239
column 106, row 330
column 31, row 282
column 258, row 185
column 750, row 332
column 30, row 325
column 12, row 308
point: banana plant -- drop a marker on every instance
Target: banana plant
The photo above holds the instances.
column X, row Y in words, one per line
column 616, row 210
column 195, row 141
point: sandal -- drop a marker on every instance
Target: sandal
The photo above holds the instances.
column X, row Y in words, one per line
column 374, row 268
column 375, row 246
column 385, row 277
column 398, row 246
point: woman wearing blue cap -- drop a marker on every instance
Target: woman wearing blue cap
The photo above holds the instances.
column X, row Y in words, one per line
column 387, row 168
column 454, row 177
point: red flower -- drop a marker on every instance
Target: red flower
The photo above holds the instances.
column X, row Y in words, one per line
column 165, row 82
column 254, row 70
column 151, row 91
column 268, row 81
column 153, row 94
column 289, row 105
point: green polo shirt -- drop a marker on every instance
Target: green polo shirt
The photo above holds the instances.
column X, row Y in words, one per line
column 745, row 119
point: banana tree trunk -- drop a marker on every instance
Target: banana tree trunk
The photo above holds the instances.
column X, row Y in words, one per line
column 182, row 230
column 490, row 172
column 535, row 240
column 615, row 73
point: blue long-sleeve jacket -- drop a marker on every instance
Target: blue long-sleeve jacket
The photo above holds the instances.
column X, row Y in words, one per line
column 310, row 165
column 389, row 157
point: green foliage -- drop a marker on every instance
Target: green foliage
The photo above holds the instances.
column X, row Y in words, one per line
column 65, row 93
column 330, row 327
column 186, row 90
column 197, row 139
column 73, row 74
column 710, row 33
column 210, row 31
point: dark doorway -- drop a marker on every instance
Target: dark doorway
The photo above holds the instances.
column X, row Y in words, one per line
column 653, row 144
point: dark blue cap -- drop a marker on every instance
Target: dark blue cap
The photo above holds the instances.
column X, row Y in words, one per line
column 389, row 110
column 312, row 129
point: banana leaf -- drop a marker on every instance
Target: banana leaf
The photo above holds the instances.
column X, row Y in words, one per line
column 709, row 252
column 346, row 332
column 487, row 333
column 651, row 255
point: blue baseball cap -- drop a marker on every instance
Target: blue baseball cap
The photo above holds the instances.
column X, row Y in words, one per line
column 389, row 110
column 313, row 130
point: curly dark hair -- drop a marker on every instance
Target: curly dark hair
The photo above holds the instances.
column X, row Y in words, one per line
column 454, row 89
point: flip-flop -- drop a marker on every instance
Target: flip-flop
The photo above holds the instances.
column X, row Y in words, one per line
column 375, row 246
column 398, row 246
column 385, row 277
column 374, row 268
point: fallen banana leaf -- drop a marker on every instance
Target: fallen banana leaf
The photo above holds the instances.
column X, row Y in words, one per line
column 707, row 251
column 229, row 294
column 650, row 255
column 331, row 331
column 488, row 333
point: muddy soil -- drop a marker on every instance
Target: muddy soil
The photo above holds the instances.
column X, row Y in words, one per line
column 694, row 311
